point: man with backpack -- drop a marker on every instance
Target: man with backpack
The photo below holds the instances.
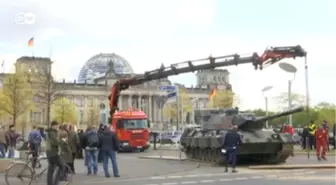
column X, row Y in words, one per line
column 91, row 144
column 34, row 141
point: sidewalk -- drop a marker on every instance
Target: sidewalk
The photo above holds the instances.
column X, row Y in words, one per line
column 297, row 159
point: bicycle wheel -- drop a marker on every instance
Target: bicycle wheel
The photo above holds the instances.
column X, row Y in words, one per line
column 19, row 173
column 66, row 178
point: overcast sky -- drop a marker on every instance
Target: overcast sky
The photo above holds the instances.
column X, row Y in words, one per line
column 150, row 32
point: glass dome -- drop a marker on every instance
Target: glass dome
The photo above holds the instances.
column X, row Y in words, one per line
column 97, row 66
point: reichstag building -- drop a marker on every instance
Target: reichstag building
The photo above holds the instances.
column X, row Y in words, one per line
column 90, row 91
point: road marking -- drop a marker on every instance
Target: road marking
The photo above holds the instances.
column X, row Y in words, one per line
column 193, row 175
column 223, row 180
column 311, row 172
column 301, row 173
column 189, row 182
column 169, row 183
column 156, row 178
column 174, row 177
column 270, row 176
column 206, row 181
column 257, row 177
column 241, row 178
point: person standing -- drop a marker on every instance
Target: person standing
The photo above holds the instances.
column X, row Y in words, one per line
column 109, row 147
column 334, row 132
column 12, row 137
column 305, row 138
column 321, row 141
column 326, row 127
column 74, row 144
column 231, row 142
column 3, row 142
column 100, row 155
column 34, row 142
column 54, row 159
column 312, row 129
column 91, row 150
column 65, row 150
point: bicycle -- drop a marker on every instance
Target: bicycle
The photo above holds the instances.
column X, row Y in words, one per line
column 23, row 170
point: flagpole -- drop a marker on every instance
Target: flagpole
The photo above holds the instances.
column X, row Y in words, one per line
column 3, row 66
column 33, row 50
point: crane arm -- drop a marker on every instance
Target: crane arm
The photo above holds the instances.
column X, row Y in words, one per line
column 270, row 56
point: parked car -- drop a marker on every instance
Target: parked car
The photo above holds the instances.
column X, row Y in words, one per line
column 170, row 137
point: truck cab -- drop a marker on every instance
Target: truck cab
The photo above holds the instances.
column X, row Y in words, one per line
column 132, row 129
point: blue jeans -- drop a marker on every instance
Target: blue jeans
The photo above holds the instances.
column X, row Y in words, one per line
column 112, row 156
column 11, row 152
column 2, row 150
column 91, row 157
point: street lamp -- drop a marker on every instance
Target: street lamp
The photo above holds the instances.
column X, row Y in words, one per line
column 289, row 68
column 264, row 90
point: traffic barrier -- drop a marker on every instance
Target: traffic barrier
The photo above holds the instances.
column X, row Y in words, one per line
column 166, row 146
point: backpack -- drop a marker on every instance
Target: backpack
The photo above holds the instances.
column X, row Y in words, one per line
column 36, row 139
column 93, row 140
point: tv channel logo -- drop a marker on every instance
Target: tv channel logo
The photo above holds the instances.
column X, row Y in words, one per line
column 25, row 18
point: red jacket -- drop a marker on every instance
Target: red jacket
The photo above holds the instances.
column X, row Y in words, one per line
column 321, row 134
column 289, row 129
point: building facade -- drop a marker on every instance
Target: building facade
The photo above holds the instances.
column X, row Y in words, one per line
column 90, row 91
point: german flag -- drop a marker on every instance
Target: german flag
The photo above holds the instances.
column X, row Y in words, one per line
column 213, row 93
column 31, row 42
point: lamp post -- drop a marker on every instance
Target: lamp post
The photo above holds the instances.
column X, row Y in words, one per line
column 289, row 68
column 264, row 91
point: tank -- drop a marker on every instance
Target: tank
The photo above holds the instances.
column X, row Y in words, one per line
column 259, row 145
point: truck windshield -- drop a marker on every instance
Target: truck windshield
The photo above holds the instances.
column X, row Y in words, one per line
column 135, row 123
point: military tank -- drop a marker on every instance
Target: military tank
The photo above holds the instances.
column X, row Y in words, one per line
column 259, row 145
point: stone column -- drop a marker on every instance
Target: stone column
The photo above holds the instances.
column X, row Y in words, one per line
column 139, row 102
column 156, row 110
column 150, row 104
column 120, row 102
column 129, row 101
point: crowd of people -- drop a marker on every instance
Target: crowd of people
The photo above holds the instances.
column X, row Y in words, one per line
column 63, row 144
column 314, row 137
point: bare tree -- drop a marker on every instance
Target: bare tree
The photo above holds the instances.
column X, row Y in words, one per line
column 46, row 93
column 93, row 117
column 16, row 96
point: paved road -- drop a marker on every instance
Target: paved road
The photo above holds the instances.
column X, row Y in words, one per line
column 160, row 172
column 130, row 166
column 297, row 159
column 207, row 176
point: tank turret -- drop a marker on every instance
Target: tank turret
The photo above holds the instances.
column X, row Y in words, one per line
column 250, row 121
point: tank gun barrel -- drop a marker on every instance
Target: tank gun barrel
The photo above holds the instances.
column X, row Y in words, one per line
column 281, row 114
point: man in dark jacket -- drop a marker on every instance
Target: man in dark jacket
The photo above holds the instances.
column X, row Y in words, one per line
column 52, row 151
column 91, row 143
column 231, row 141
column 34, row 141
column 109, row 146
column 305, row 138
column 73, row 144
column 100, row 154
column 12, row 137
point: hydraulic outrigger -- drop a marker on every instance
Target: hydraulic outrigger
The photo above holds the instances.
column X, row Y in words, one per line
column 270, row 56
